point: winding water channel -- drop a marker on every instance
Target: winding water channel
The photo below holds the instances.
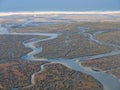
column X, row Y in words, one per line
column 107, row 80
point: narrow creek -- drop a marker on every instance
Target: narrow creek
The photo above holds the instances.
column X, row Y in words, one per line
column 107, row 80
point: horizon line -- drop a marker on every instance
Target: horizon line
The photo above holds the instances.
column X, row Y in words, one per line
column 55, row 12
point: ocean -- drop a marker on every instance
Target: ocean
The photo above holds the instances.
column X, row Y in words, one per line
column 59, row 5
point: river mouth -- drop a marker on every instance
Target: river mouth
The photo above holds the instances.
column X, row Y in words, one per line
column 108, row 81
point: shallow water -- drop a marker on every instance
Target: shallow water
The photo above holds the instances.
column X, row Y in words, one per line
column 108, row 81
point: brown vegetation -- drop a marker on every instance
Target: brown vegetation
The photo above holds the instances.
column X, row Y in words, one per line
column 11, row 46
column 59, row 77
column 110, row 37
column 110, row 64
column 70, row 43
column 17, row 73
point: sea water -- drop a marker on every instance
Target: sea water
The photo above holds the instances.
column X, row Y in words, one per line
column 59, row 5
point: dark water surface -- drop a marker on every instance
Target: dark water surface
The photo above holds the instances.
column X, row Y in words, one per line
column 59, row 5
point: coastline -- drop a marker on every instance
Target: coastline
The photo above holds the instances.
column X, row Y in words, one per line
column 57, row 12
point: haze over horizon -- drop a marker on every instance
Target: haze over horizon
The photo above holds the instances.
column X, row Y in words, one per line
column 60, row 5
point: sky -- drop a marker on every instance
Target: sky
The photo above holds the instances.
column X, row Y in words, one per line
column 59, row 5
